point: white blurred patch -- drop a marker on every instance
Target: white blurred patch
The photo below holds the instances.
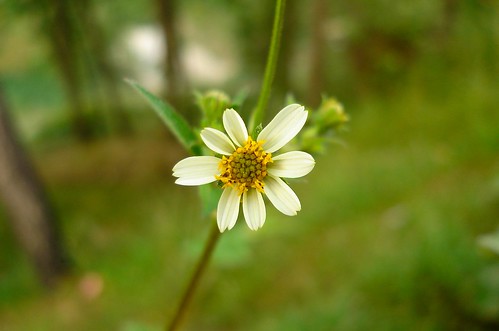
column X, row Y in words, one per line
column 337, row 30
column 490, row 241
column 146, row 43
column 204, row 67
column 146, row 50
column 142, row 51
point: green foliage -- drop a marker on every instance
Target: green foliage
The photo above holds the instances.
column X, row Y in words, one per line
column 173, row 120
column 323, row 125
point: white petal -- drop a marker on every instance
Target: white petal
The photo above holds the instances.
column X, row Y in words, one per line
column 196, row 165
column 196, row 170
column 195, row 181
column 281, row 196
column 217, row 141
column 228, row 209
column 284, row 127
column 291, row 165
column 253, row 209
column 235, row 127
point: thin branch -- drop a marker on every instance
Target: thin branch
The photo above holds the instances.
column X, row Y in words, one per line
column 195, row 278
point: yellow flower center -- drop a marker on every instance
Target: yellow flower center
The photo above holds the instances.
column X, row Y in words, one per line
column 246, row 167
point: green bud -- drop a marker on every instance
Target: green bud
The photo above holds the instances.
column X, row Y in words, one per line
column 212, row 104
column 330, row 115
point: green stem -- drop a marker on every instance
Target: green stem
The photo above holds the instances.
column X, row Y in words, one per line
column 195, row 278
column 270, row 68
column 256, row 119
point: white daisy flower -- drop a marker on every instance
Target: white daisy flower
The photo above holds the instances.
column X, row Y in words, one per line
column 248, row 169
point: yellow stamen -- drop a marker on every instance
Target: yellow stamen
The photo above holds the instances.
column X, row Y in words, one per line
column 246, row 167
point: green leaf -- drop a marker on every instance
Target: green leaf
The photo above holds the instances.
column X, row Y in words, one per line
column 173, row 120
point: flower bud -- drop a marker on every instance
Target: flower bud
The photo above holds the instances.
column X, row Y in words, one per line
column 330, row 115
column 212, row 104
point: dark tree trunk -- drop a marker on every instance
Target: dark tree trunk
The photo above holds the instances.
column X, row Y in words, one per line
column 255, row 24
column 317, row 53
column 61, row 31
column 167, row 11
column 30, row 215
column 97, row 51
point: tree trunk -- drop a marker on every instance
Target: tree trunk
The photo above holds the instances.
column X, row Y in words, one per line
column 255, row 21
column 167, row 11
column 61, row 33
column 30, row 215
column 97, row 53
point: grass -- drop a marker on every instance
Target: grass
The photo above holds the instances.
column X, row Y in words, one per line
column 386, row 239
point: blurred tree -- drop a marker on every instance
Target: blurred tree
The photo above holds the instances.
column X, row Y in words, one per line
column 31, row 216
column 167, row 12
column 61, row 31
column 255, row 20
column 98, row 55
column 379, row 49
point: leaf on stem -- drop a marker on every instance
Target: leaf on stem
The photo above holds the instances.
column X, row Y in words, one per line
column 173, row 120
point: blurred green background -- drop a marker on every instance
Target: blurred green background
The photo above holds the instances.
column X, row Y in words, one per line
column 387, row 237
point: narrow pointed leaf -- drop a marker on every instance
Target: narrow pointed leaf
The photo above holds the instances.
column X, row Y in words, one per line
column 173, row 120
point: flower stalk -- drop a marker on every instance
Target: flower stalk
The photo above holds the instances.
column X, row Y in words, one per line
column 257, row 118
column 270, row 68
column 195, row 278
